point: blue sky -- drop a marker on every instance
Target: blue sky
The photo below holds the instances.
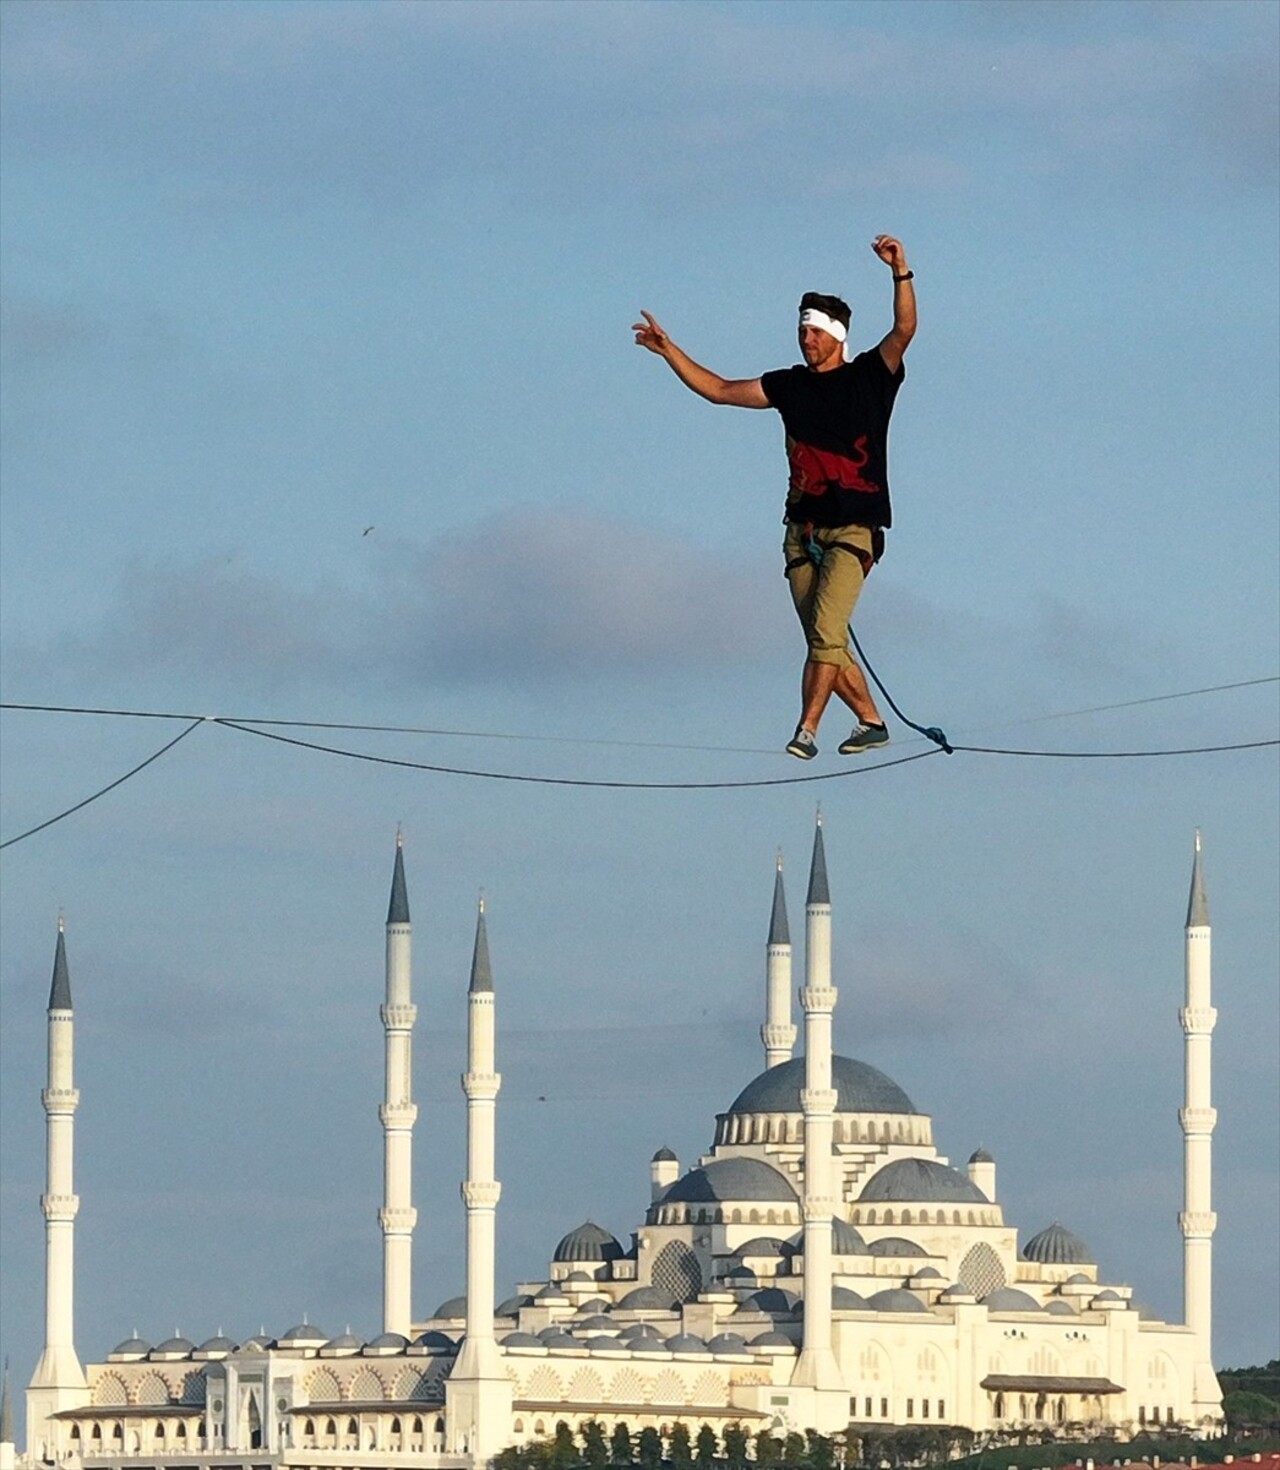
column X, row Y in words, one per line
column 276, row 273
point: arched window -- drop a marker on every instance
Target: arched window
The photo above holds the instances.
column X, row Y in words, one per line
column 955, row 1217
column 888, row 1217
column 999, row 1406
column 75, row 1433
column 539, row 1426
column 159, row 1432
column 97, row 1434
column 906, row 1217
column 309, row 1428
column 395, row 1425
column 439, row 1429
column 417, row 1426
column 518, row 1426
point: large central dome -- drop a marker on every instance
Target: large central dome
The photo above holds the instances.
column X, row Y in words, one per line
column 859, row 1089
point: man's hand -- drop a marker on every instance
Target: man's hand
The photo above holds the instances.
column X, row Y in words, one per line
column 891, row 252
column 649, row 334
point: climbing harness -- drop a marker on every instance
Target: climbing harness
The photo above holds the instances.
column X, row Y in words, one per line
column 817, row 554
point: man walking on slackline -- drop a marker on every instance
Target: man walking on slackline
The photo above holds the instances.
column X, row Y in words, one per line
column 836, row 415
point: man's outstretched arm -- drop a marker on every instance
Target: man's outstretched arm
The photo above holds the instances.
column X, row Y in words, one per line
column 736, row 392
column 895, row 341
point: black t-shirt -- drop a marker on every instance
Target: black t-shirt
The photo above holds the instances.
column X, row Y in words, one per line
column 837, row 427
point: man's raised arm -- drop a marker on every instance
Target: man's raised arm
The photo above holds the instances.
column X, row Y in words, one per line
column 736, row 392
column 895, row 341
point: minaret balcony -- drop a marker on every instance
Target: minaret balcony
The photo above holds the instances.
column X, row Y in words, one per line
column 398, row 1221
column 399, row 1018
column 60, row 1099
column 481, row 1194
column 1198, row 1224
column 818, row 998
column 818, row 1100
column 777, row 1037
column 398, row 1116
column 59, row 1206
column 1198, row 1020
column 1198, row 1120
column 481, row 1085
column 818, row 1210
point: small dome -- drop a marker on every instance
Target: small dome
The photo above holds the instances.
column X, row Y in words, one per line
column 765, row 1245
column 773, row 1299
column 1060, row 1308
column 896, row 1245
column 1077, row 1278
column 578, row 1278
column 731, row 1179
column 549, row 1293
column 686, row 1342
column 1108, row 1296
column 512, row 1305
column 257, row 1344
column 647, row 1298
column 1010, row 1299
column 727, row 1342
column 598, row 1323
column 772, row 1339
column 740, row 1275
column 217, row 1344
column 131, row 1347
column 980, row 1156
column 845, row 1300
column 612, row 1344
column 393, row 1341
column 348, row 1341
column 595, row 1304
column 589, row 1242
column 665, row 1156
column 931, row 1272
column 896, row 1299
column 174, row 1346
column 435, row 1341
column 859, row 1089
column 304, row 1332
column 521, row 1339
column 559, row 1340
column 637, row 1330
column 845, row 1240
column 1056, row 1246
column 454, row 1310
column 920, row 1179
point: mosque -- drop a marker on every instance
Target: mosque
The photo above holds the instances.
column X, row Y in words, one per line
column 821, row 1266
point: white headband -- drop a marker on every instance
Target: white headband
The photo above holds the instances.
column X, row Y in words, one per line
column 812, row 317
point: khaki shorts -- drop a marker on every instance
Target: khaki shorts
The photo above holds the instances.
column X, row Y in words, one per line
column 825, row 596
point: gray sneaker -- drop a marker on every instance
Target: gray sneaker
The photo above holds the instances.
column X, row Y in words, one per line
column 802, row 744
column 864, row 737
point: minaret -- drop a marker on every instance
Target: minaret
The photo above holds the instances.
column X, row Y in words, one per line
column 1198, row 1117
column 816, row 1367
column 58, row 1382
column 777, row 1033
column 397, row 1113
column 8, row 1450
column 478, row 1391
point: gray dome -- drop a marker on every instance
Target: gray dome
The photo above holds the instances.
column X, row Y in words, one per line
column 132, row 1346
column 772, row 1299
column 346, row 1340
column 845, row 1240
column 512, row 1305
column 845, row 1300
column 589, row 1242
column 388, row 1340
column 980, row 1156
column 896, row 1299
column 1056, row 1246
column 1010, row 1299
column 731, row 1179
column 612, row 1344
column 930, row 1271
column 859, row 1089
column 559, row 1340
column 254, row 1344
column 664, row 1156
column 437, row 1340
column 521, row 1339
column 739, row 1275
column 896, row 1245
column 454, row 1310
column 920, row 1179
column 1108, row 1296
column 175, row 1346
column 727, row 1342
column 217, row 1344
column 686, row 1342
column 579, row 1276
column 647, row 1298
column 551, row 1293
column 1078, row 1278
column 598, row 1323
column 772, row 1339
column 1060, row 1308
column 636, row 1330
column 303, row 1332
column 765, row 1245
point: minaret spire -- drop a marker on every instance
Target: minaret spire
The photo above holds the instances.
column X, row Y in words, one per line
column 58, row 1382
column 816, row 1367
column 1197, row 1220
column 478, row 1391
column 777, row 1033
column 398, row 1112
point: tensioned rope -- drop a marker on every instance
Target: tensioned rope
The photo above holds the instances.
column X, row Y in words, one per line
column 940, row 741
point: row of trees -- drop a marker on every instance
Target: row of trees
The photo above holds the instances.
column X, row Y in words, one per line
column 738, row 1449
